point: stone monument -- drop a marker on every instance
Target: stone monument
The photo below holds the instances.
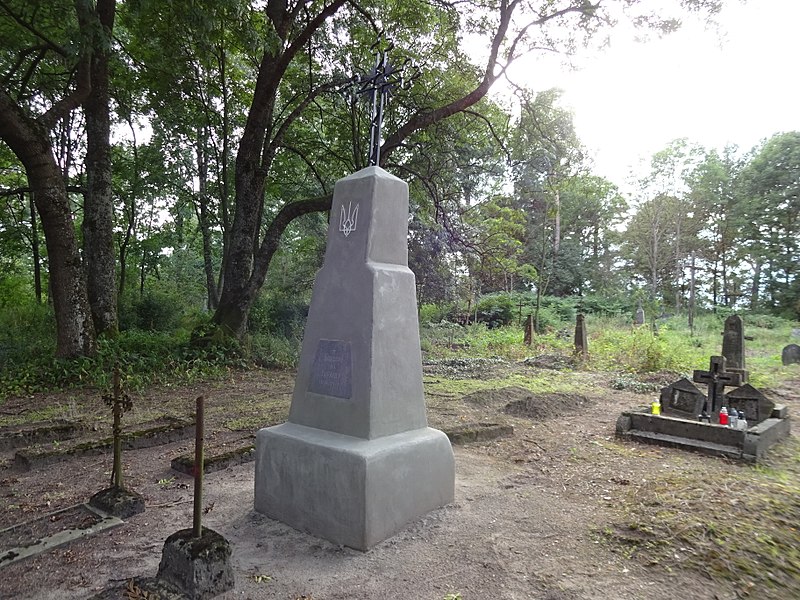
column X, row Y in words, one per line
column 733, row 346
column 638, row 317
column 356, row 460
column 790, row 355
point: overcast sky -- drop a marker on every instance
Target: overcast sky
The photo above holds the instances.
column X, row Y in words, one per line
column 736, row 85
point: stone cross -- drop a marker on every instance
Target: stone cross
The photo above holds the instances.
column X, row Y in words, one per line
column 717, row 378
column 378, row 85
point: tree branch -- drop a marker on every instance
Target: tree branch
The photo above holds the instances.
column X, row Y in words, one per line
column 272, row 238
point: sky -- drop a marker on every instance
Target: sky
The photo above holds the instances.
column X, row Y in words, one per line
column 736, row 85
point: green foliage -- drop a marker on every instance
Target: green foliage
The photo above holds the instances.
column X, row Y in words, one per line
column 154, row 311
column 496, row 309
column 275, row 350
column 145, row 358
column 435, row 313
column 279, row 313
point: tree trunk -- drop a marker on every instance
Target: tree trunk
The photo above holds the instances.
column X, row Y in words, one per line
column 98, row 217
column 30, row 141
column 37, row 261
column 557, row 227
column 247, row 261
column 756, row 284
column 203, row 222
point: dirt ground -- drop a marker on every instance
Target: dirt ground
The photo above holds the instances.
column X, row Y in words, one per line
column 524, row 523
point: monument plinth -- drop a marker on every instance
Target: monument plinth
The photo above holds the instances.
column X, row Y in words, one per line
column 356, row 460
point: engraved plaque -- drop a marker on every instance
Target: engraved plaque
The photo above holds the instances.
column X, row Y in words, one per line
column 331, row 373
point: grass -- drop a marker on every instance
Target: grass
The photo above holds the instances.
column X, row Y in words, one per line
column 552, row 381
column 732, row 522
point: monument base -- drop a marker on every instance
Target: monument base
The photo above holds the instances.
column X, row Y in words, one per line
column 349, row 490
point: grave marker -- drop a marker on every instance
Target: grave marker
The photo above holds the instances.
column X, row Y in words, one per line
column 791, row 355
column 733, row 346
column 717, row 378
column 638, row 317
column 755, row 405
column 357, row 461
column 529, row 330
column 682, row 399
column 581, row 343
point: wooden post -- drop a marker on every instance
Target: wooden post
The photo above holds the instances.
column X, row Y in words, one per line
column 197, row 526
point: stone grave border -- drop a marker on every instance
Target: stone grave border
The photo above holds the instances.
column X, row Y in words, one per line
column 13, row 555
column 718, row 440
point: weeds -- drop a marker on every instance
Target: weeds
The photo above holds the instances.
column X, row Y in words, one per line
column 738, row 524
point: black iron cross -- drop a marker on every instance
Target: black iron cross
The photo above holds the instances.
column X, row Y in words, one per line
column 717, row 379
column 378, row 85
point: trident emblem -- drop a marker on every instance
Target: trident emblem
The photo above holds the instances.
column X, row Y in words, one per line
column 348, row 219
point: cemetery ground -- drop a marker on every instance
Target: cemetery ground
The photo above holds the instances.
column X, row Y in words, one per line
column 559, row 510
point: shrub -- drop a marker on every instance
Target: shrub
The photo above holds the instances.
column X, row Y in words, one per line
column 496, row 309
column 154, row 311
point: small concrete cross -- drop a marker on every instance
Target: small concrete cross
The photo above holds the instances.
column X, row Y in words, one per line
column 717, row 379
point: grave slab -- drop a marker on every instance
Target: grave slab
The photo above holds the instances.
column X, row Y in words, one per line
column 143, row 435
column 34, row 537
column 357, row 461
column 478, row 432
column 19, row 436
column 217, row 458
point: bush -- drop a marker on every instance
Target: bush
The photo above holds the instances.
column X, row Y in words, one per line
column 496, row 310
column 278, row 314
column 436, row 313
column 154, row 311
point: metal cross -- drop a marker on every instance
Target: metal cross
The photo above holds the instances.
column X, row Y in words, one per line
column 378, row 84
column 717, row 379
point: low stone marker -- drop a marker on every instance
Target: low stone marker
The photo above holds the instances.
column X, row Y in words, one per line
column 752, row 402
column 682, row 399
column 357, row 461
column 197, row 560
column 791, row 355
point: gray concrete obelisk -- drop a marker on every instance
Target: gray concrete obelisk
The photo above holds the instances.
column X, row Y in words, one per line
column 356, row 461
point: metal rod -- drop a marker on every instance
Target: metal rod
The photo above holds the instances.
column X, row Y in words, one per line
column 197, row 525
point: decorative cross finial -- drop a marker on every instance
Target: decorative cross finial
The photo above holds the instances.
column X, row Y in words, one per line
column 378, row 84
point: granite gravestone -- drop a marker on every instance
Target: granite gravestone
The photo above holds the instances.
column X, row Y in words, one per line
column 529, row 330
column 581, row 342
column 356, row 460
column 791, row 355
column 682, row 399
column 733, row 346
